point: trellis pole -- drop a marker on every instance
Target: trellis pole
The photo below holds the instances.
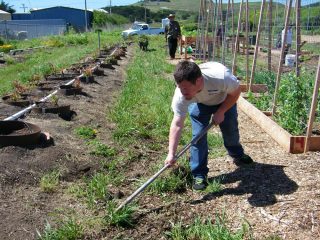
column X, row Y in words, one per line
column 220, row 45
column 298, row 37
column 313, row 108
column 224, row 34
column 269, row 35
column 237, row 41
column 247, row 43
column 213, row 29
column 206, row 14
column 257, row 45
column 216, row 29
column 278, row 79
column 210, row 20
column 198, row 31
column 232, row 39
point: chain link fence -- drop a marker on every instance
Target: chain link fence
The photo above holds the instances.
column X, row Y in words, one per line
column 28, row 29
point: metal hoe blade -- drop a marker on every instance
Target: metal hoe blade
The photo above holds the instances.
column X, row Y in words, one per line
column 147, row 183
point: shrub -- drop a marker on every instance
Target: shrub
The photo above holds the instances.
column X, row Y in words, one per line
column 6, row 48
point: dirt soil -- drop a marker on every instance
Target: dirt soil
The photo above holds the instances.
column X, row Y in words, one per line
column 277, row 195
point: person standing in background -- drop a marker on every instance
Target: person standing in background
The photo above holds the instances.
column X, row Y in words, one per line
column 172, row 35
column 288, row 42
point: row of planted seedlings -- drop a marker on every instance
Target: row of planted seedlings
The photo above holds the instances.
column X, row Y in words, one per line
column 141, row 113
column 42, row 95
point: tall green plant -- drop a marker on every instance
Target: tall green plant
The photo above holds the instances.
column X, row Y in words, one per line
column 294, row 99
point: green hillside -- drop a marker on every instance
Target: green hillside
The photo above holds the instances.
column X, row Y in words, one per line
column 175, row 5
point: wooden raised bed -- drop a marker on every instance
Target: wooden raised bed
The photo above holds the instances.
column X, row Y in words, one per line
column 292, row 144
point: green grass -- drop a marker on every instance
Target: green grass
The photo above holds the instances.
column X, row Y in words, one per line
column 101, row 149
column 215, row 143
column 143, row 108
column 176, row 180
column 122, row 217
column 50, row 181
column 86, row 132
column 96, row 190
column 214, row 186
column 206, row 229
column 70, row 230
column 72, row 49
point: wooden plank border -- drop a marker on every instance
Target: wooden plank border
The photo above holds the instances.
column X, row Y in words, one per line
column 292, row 144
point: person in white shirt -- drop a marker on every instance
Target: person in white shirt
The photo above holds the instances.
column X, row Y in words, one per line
column 208, row 92
column 288, row 42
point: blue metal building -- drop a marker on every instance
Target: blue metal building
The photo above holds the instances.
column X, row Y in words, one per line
column 74, row 17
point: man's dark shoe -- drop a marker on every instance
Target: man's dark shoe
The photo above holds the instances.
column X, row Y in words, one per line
column 244, row 159
column 199, row 183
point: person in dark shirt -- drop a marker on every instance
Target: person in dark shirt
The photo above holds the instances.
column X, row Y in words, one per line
column 172, row 34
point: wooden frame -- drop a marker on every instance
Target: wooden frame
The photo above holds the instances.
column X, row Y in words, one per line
column 292, row 144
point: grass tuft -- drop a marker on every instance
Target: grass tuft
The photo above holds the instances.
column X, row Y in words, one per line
column 50, row 181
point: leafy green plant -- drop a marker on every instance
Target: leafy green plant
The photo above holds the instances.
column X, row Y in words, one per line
column 262, row 102
column 122, row 217
column 67, row 230
column 293, row 103
column 54, row 99
column 86, row 132
column 50, row 181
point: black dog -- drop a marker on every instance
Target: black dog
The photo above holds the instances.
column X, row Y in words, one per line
column 143, row 43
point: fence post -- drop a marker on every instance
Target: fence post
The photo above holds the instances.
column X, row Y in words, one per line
column 6, row 29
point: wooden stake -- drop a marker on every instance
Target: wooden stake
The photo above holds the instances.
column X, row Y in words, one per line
column 224, row 34
column 237, row 41
column 247, row 42
column 313, row 108
column 298, row 37
column 216, row 29
column 281, row 59
column 257, row 45
column 269, row 35
column 232, row 39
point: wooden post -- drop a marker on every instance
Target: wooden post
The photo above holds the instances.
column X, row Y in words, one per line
column 232, row 39
column 198, row 31
column 221, row 24
column 225, row 45
column 216, row 29
column 237, row 41
column 278, row 79
column 269, row 35
column 214, row 8
column 247, row 43
column 313, row 108
column 298, row 35
column 205, row 47
column 257, row 45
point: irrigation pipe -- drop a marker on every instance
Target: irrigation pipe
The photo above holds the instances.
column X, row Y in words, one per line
column 147, row 183
column 27, row 109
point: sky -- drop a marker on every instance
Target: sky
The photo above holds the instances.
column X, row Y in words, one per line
column 19, row 5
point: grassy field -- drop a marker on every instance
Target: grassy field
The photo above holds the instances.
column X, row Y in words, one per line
column 63, row 52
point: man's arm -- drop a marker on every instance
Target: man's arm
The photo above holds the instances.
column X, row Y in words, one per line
column 230, row 100
column 176, row 127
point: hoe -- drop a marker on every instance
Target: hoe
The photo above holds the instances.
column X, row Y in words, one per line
column 178, row 155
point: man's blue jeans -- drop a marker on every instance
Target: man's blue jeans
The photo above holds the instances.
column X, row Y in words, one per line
column 200, row 115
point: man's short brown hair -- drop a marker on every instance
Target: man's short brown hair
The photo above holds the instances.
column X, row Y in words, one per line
column 188, row 71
